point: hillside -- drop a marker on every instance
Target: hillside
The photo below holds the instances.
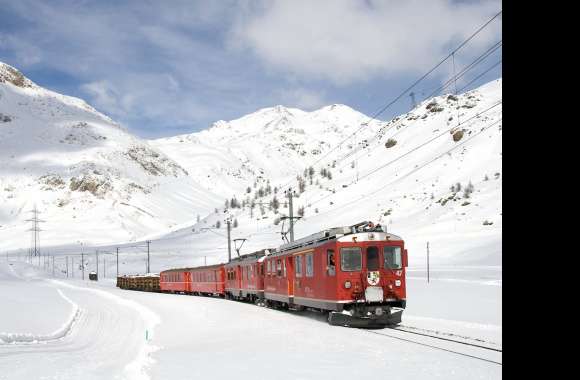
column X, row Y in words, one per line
column 432, row 175
column 90, row 179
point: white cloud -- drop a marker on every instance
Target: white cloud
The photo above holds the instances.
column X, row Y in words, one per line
column 302, row 98
column 350, row 40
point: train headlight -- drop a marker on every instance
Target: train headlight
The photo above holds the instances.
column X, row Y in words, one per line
column 347, row 284
column 397, row 282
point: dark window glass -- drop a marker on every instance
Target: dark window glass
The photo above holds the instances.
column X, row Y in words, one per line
column 373, row 258
column 309, row 265
column 298, row 262
column 393, row 258
column 350, row 259
column 330, row 264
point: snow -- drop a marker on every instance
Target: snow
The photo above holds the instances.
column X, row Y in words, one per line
column 100, row 188
column 211, row 337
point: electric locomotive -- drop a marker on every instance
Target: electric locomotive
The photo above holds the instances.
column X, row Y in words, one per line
column 356, row 273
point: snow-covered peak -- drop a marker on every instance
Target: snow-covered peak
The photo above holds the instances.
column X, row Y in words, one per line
column 80, row 167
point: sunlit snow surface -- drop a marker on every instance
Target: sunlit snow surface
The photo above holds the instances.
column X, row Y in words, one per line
column 135, row 335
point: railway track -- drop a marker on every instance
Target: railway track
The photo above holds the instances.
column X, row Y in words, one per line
column 430, row 338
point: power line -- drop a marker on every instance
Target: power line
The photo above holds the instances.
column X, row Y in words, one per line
column 413, row 150
column 451, row 80
column 411, row 172
column 404, row 92
column 482, row 74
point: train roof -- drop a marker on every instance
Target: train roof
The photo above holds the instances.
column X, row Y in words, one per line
column 254, row 256
column 214, row 266
column 363, row 231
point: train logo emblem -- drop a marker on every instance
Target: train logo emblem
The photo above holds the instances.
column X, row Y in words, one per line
column 373, row 278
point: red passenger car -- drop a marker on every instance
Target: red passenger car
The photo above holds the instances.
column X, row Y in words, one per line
column 208, row 280
column 175, row 281
column 245, row 276
column 356, row 273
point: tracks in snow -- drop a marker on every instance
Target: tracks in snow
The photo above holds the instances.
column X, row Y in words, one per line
column 464, row 346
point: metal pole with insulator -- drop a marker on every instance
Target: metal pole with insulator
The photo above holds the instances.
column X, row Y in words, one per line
column 427, row 262
column 229, row 241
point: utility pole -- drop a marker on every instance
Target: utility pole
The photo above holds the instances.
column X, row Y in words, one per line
column 52, row 266
column 291, row 211
column 35, row 243
column 290, row 205
column 104, row 269
column 229, row 241
column 67, row 267
column 72, row 266
column 83, row 261
column 97, row 255
column 413, row 102
column 117, row 261
column 148, row 243
column 427, row 262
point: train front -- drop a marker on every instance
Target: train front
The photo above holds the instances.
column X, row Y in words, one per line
column 371, row 279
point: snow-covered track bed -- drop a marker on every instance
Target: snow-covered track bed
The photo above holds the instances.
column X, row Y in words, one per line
column 452, row 337
column 453, row 346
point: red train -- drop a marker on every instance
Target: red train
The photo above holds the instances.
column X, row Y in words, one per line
column 355, row 273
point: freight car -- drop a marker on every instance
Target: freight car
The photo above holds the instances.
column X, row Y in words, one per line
column 147, row 282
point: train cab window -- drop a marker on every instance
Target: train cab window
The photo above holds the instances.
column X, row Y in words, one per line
column 284, row 268
column 373, row 262
column 350, row 259
column 309, row 265
column 269, row 267
column 279, row 268
column 298, row 264
column 330, row 265
column 393, row 258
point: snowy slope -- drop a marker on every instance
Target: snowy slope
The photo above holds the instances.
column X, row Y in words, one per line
column 120, row 334
column 96, row 183
column 90, row 179
column 409, row 186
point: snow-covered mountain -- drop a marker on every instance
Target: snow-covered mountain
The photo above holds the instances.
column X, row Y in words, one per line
column 431, row 175
column 90, row 179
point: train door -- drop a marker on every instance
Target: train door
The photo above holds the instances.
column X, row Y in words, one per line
column 373, row 290
column 290, row 275
column 187, row 280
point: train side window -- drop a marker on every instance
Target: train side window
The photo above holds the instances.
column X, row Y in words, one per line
column 373, row 262
column 330, row 264
column 309, row 265
column 393, row 258
column 279, row 268
column 269, row 267
column 350, row 259
column 284, row 267
column 298, row 262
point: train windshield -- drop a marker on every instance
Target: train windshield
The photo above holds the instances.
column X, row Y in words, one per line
column 373, row 258
column 350, row 259
column 393, row 258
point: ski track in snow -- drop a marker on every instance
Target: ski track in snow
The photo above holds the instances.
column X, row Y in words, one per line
column 136, row 368
column 105, row 337
column 27, row 338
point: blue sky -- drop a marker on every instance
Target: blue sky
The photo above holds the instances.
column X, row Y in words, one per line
column 163, row 68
